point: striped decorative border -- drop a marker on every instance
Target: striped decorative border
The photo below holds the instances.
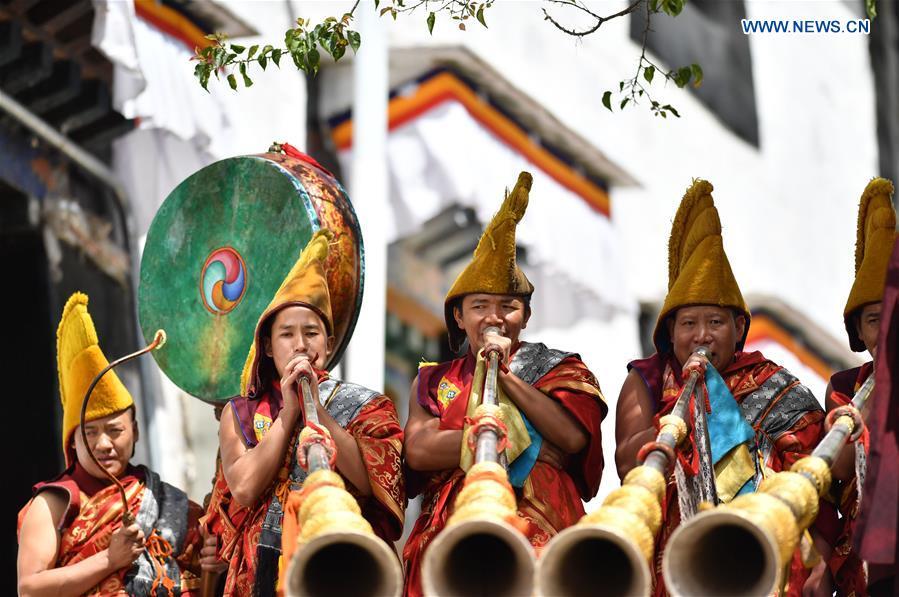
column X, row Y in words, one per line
column 764, row 327
column 441, row 86
column 172, row 23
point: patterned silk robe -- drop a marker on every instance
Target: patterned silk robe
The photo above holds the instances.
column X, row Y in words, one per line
column 250, row 538
column 551, row 499
column 168, row 566
column 784, row 414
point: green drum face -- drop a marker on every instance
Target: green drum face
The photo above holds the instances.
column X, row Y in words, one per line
column 219, row 248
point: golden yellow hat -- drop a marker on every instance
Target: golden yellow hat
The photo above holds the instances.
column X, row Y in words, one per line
column 698, row 270
column 875, row 235
column 493, row 268
column 305, row 285
column 79, row 359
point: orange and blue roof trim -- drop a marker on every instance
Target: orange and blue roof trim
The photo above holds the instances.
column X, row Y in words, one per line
column 174, row 22
column 443, row 85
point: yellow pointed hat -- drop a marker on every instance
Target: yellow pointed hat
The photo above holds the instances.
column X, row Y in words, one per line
column 305, row 285
column 875, row 235
column 698, row 270
column 79, row 359
column 493, row 268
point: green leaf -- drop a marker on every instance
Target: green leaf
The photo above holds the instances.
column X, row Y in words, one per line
column 338, row 52
column 673, row 7
column 640, row 93
column 654, row 6
column 232, row 81
column 266, row 50
column 263, row 61
column 384, row 11
column 624, row 103
column 620, row 85
column 871, row 9
column 671, row 109
column 276, row 57
column 238, row 49
column 355, row 40
column 648, row 73
column 314, row 59
column 607, row 100
column 480, row 16
column 252, row 51
column 683, row 76
column 664, row 114
column 697, row 74
column 431, row 19
column 247, row 81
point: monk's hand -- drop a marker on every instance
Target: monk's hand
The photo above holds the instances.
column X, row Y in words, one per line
column 296, row 368
column 819, row 582
column 209, row 560
column 696, row 362
column 499, row 343
column 125, row 545
column 551, row 454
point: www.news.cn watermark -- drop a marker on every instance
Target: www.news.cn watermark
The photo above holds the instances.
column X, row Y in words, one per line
column 817, row 26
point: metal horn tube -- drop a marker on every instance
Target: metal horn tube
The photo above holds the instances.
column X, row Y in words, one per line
column 480, row 552
column 612, row 546
column 337, row 551
column 763, row 527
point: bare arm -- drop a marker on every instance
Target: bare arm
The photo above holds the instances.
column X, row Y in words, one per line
column 634, row 422
column 249, row 472
column 427, row 447
column 39, row 547
column 548, row 416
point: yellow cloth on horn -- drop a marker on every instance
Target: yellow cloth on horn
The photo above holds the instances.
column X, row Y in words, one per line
column 875, row 235
column 698, row 270
column 306, row 286
column 79, row 359
column 518, row 438
column 493, row 268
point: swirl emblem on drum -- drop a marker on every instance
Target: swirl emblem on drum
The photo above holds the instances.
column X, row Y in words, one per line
column 223, row 280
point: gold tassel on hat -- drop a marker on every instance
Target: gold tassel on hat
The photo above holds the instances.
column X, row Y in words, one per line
column 875, row 235
column 493, row 268
column 699, row 272
column 79, row 359
column 306, row 286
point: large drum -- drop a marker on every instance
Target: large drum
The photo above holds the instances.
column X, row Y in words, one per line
column 219, row 248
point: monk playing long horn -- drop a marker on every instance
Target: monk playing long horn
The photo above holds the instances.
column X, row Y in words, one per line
column 551, row 403
column 72, row 539
column 259, row 433
column 760, row 413
column 876, row 233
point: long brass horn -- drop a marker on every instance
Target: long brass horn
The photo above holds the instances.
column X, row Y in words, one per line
column 612, row 547
column 337, row 552
column 480, row 552
column 763, row 527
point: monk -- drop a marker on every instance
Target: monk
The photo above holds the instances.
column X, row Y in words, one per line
column 559, row 458
column 876, row 234
column 259, row 431
column 71, row 538
column 774, row 419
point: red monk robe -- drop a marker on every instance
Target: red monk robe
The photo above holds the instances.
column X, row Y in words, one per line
column 240, row 529
column 787, row 428
column 845, row 566
column 94, row 512
column 550, row 500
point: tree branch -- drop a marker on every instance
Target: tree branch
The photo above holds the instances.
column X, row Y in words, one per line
column 599, row 19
